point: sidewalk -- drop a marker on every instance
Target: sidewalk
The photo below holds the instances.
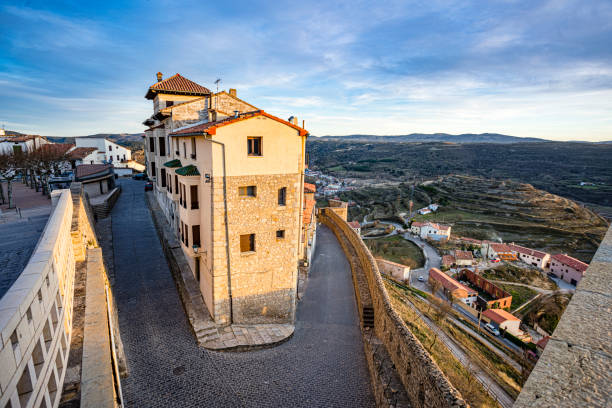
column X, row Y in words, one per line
column 236, row 337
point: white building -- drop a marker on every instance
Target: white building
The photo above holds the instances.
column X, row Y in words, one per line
column 108, row 151
column 23, row 143
column 437, row 232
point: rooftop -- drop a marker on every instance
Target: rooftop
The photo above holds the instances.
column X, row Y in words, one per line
column 464, row 255
column 527, row 251
column 448, row 260
column 189, row 170
column 499, row 315
column 310, row 188
column 177, row 84
column 85, row 170
column 571, row 262
column 354, row 224
column 449, row 283
column 81, row 152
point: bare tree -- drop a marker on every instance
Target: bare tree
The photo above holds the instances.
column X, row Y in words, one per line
column 435, row 288
column 9, row 166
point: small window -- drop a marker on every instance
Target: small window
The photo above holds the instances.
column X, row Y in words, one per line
column 254, row 146
column 184, row 150
column 195, row 235
column 169, row 103
column 282, row 196
column 248, row 191
column 163, row 177
column 176, row 184
column 118, row 158
column 193, row 192
column 247, row 243
column 280, row 234
column 162, row 146
column 110, row 148
column 193, row 148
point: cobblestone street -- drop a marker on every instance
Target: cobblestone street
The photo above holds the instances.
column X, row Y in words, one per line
column 322, row 365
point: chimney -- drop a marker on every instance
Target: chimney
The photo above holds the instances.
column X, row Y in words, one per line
column 294, row 120
column 159, row 77
column 232, row 92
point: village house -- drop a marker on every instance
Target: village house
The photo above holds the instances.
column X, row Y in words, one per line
column 435, row 232
column 531, row 256
column 452, row 287
column 356, row 226
column 503, row 320
column 493, row 250
column 97, row 179
column 463, row 258
column 424, row 211
column 490, row 296
column 309, row 224
column 394, row 269
column 106, row 150
column 448, row 261
column 415, row 227
column 229, row 178
column 20, row 143
column 568, row 269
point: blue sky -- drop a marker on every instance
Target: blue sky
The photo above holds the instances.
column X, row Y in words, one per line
column 524, row 68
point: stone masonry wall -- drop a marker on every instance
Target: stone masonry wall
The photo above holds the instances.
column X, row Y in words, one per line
column 263, row 282
column 424, row 382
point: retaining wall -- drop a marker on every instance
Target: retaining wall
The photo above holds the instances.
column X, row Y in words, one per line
column 423, row 381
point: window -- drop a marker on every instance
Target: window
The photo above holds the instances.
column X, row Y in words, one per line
column 118, row 158
column 169, row 103
column 247, row 243
column 193, row 192
column 162, row 146
column 151, row 144
column 186, row 235
column 176, row 184
column 248, row 191
column 124, row 157
column 178, row 153
column 180, row 186
column 195, row 236
column 193, row 148
column 184, row 192
column 110, row 148
column 254, row 146
column 184, row 150
column 153, row 173
column 282, row 196
column 163, row 177
column 280, row 234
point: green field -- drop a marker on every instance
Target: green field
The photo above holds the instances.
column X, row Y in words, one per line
column 397, row 249
column 520, row 294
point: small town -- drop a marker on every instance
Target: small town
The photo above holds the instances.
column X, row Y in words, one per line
column 319, row 216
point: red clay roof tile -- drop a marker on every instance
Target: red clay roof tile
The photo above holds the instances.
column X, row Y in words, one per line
column 177, row 84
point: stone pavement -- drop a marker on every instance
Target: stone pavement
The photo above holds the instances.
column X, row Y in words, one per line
column 321, row 365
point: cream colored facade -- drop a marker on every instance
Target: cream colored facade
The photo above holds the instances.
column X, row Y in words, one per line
column 198, row 178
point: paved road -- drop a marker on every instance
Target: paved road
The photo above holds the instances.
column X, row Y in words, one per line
column 322, row 365
column 432, row 260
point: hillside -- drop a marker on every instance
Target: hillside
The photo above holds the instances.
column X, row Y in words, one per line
column 437, row 137
column 492, row 209
column 557, row 167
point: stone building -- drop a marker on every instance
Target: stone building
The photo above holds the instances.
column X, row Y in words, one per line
column 230, row 180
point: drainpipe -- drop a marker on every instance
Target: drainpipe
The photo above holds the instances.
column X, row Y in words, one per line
column 227, row 250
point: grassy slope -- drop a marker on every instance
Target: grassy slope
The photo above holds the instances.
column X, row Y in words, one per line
column 397, row 249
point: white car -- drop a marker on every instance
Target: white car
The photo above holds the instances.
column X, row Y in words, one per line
column 491, row 329
column 421, row 279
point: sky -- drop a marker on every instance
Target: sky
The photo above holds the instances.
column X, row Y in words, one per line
column 523, row 68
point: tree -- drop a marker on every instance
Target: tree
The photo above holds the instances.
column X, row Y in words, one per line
column 10, row 164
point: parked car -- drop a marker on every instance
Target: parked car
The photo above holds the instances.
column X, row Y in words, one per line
column 149, row 186
column 421, row 279
column 491, row 329
column 139, row 176
column 495, row 260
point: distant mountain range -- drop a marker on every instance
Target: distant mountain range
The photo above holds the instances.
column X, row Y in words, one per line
column 126, row 139
column 439, row 137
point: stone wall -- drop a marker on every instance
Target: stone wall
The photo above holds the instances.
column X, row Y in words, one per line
column 575, row 369
column 422, row 380
column 393, row 269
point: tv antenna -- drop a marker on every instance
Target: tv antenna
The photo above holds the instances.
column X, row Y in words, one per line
column 218, row 81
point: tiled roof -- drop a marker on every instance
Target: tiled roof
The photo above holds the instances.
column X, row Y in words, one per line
column 189, row 170
column 211, row 127
column 85, row 170
column 465, row 255
column 499, row 315
column 471, row 240
column 310, row 188
column 309, row 206
column 501, row 248
column 527, row 251
column 439, row 227
column 417, row 224
column 447, row 282
column 354, row 224
column 81, row 152
column 571, row 262
column 56, row 149
column 173, row 163
column 18, row 138
column 448, row 260
column 177, row 84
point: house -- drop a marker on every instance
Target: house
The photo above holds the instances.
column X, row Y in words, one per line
column 531, row 256
column 424, row 211
column 493, row 250
column 415, row 227
column 452, row 287
column 309, row 224
column 393, row 269
column 448, row 261
column 107, row 151
column 464, row 258
column 229, row 179
column 356, row 226
column 82, row 155
column 504, row 321
column 433, row 207
column 21, row 143
column 568, row 269
column 97, row 179
column 436, row 232
column 490, row 295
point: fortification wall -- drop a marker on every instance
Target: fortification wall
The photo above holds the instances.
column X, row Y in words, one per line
column 423, row 381
column 36, row 316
